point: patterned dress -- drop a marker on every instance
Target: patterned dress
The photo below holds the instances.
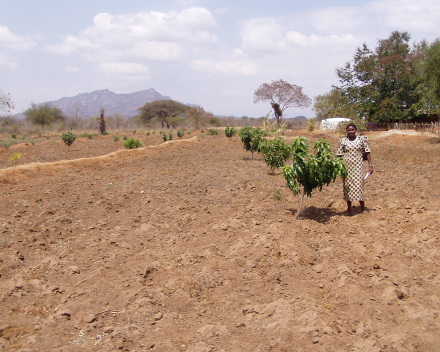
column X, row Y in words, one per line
column 352, row 152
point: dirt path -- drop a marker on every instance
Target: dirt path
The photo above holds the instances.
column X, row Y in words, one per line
column 192, row 247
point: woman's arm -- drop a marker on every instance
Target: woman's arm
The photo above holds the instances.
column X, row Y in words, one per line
column 370, row 162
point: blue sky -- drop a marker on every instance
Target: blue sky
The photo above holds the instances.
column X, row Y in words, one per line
column 211, row 53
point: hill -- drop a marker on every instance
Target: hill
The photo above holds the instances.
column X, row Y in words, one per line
column 90, row 104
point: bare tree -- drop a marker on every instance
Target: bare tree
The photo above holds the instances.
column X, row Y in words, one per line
column 101, row 121
column 281, row 95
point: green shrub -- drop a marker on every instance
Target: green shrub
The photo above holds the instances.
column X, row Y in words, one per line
column 212, row 131
column 124, row 137
column 14, row 136
column 32, row 141
column 312, row 171
column 251, row 138
column 134, row 132
column 116, row 138
column 86, row 135
column 148, row 133
column 170, row 135
column 153, row 132
column 310, row 125
column 132, row 143
column 276, row 152
column 164, row 136
column 180, row 133
column 105, row 133
column 230, row 131
column 188, row 132
column 68, row 139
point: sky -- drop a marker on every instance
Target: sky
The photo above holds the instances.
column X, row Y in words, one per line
column 211, row 53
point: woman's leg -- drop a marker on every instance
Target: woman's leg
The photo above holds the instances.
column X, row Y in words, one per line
column 362, row 206
column 349, row 212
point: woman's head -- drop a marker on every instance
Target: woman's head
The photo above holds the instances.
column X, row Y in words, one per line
column 350, row 125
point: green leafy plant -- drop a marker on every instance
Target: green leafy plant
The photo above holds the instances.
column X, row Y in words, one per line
column 105, row 133
column 68, row 139
column 212, row 131
column 251, row 138
column 170, row 135
column 134, row 132
column 277, row 195
column 153, row 132
column 309, row 171
column 116, row 138
column 148, row 133
column 32, row 141
column 86, row 135
column 276, row 152
column 13, row 136
column 164, row 136
column 124, row 137
column 132, row 143
column 180, row 133
column 188, row 132
column 230, row 131
column 310, row 125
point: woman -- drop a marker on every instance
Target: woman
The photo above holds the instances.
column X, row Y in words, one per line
column 352, row 149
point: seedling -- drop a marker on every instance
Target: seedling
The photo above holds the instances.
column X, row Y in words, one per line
column 14, row 159
column 132, row 143
column 312, row 171
column 276, row 152
column 170, row 135
column 68, row 139
column 180, row 133
column 230, row 131
column 116, row 138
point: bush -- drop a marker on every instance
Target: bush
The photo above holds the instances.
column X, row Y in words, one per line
column 105, row 133
column 230, row 131
column 132, row 143
column 6, row 143
column 251, row 138
column 312, row 171
column 124, row 137
column 276, row 152
column 148, row 133
column 68, row 138
column 212, row 131
column 214, row 121
column 116, row 138
column 361, row 126
column 86, row 135
column 153, row 132
column 180, row 133
column 310, row 125
column 170, row 135
column 164, row 136
column 32, row 141
column 134, row 132
column 13, row 136
column 188, row 132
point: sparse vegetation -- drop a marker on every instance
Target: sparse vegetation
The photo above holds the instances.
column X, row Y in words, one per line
column 230, row 131
column 180, row 133
column 251, row 138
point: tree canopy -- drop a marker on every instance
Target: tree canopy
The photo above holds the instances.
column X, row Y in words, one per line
column 44, row 114
column 5, row 103
column 198, row 116
column 281, row 95
column 393, row 82
column 167, row 111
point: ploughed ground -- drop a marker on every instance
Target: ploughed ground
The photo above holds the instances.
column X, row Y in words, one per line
column 191, row 245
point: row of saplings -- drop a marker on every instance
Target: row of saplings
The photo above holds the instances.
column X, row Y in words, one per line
column 308, row 171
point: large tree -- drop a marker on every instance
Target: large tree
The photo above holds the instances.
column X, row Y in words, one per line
column 167, row 111
column 281, row 95
column 43, row 114
column 333, row 104
column 198, row 116
column 382, row 84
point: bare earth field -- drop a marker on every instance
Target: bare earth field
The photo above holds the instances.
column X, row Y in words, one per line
column 191, row 246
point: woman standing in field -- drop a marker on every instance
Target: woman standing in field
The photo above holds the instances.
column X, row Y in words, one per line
column 352, row 148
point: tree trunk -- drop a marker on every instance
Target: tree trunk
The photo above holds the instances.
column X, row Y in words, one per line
column 300, row 206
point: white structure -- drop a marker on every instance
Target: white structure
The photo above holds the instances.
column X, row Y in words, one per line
column 332, row 123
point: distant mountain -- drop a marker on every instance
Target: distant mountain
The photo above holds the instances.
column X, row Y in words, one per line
column 90, row 104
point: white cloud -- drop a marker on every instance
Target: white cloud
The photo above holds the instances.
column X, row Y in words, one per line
column 230, row 67
column 10, row 40
column 263, row 35
column 410, row 15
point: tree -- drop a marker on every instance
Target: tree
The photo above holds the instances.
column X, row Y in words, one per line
column 198, row 116
column 276, row 152
column 68, row 139
column 165, row 110
column 43, row 114
column 101, row 122
column 251, row 138
column 333, row 104
column 381, row 84
column 281, row 95
column 310, row 171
